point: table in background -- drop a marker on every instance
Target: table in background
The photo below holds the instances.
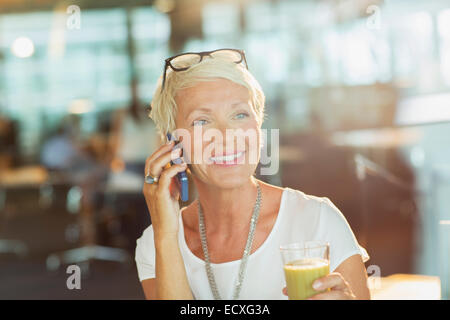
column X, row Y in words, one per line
column 406, row 287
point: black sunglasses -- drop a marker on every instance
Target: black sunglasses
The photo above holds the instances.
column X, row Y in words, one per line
column 183, row 61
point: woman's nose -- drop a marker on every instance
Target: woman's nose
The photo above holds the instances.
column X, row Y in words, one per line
column 225, row 126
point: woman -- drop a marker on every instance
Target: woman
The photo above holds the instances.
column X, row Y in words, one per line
column 179, row 258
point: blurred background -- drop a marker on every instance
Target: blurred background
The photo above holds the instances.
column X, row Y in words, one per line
column 360, row 90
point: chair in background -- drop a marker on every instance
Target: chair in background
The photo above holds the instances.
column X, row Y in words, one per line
column 16, row 180
column 80, row 200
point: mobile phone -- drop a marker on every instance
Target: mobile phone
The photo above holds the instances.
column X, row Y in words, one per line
column 181, row 176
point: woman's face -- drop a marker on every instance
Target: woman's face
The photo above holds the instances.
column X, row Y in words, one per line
column 218, row 117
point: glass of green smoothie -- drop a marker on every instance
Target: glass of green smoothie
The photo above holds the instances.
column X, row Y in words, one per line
column 303, row 263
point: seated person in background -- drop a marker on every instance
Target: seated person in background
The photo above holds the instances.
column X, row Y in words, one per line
column 9, row 148
column 59, row 151
column 133, row 136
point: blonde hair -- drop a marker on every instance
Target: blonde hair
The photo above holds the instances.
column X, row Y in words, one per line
column 163, row 105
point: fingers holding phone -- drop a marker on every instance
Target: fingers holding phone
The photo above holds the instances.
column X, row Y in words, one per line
column 162, row 202
column 181, row 176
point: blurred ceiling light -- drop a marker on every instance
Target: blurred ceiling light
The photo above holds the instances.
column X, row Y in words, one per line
column 22, row 47
column 164, row 6
column 80, row 106
column 56, row 46
column 57, row 41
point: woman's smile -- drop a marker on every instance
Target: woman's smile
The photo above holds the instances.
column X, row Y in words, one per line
column 228, row 160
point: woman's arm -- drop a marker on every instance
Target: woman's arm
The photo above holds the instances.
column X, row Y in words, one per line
column 162, row 201
column 354, row 272
column 149, row 287
column 348, row 281
column 171, row 281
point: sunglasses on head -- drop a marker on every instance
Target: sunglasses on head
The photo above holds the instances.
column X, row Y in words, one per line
column 183, row 61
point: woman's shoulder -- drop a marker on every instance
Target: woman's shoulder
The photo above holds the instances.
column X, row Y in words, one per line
column 299, row 199
column 317, row 209
column 291, row 197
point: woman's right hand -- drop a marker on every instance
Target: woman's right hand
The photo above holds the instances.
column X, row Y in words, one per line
column 162, row 197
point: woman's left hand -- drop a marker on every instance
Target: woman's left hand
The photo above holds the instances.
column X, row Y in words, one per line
column 339, row 288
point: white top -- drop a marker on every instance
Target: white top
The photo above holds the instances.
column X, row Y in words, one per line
column 300, row 218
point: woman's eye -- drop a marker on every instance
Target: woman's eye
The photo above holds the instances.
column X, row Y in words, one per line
column 242, row 115
column 199, row 122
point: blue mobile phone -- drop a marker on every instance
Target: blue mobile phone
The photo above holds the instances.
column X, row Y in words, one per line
column 181, row 176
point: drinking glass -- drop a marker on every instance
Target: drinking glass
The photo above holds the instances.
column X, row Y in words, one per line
column 303, row 264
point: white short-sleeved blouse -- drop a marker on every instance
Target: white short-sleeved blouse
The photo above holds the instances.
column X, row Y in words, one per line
column 301, row 217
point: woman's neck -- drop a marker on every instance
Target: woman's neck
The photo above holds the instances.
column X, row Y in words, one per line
column 227, row 211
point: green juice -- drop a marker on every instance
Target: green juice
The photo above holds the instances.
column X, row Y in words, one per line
column 300, row 275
